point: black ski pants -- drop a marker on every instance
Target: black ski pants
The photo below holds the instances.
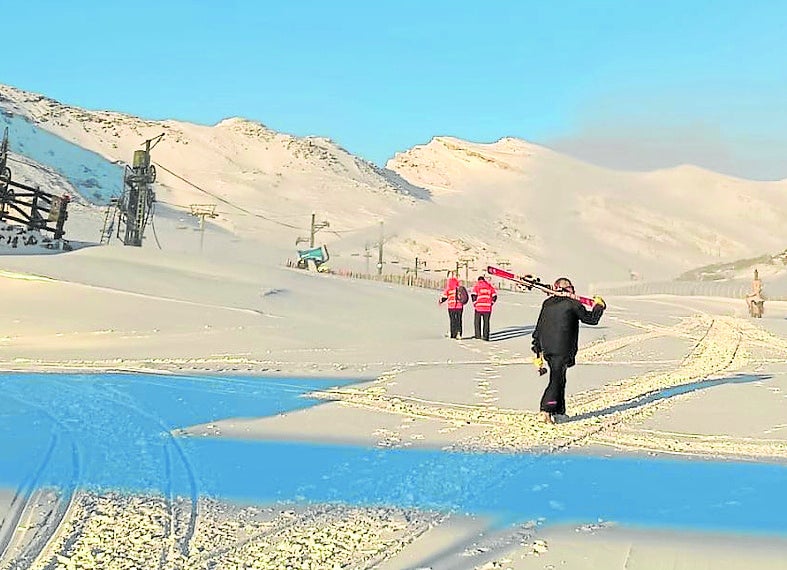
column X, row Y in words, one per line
column 482, row 325
column 554, row 398
column 455, row 321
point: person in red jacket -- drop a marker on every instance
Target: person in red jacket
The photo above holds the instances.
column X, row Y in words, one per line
column 456, row 296
column 484, row 296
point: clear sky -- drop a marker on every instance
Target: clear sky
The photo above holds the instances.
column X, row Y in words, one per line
column 627, row 83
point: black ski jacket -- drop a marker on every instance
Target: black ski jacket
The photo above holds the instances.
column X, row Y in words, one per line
column 557, row 330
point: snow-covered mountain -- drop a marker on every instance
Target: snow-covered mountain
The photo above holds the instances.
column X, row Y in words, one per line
column 445, row 201
column 550, row 212
column 264, row 182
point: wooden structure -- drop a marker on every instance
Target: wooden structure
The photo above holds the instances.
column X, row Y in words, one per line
column 32, row 207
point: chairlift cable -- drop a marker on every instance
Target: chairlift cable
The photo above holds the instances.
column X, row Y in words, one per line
column 225, row 201
column 219, row 198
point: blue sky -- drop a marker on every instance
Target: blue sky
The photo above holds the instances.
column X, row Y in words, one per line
column 625, row 83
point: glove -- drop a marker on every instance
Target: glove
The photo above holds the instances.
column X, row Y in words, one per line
column 599, row 301
column 538, row 362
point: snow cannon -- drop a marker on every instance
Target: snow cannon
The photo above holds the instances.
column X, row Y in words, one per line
column 316, row 255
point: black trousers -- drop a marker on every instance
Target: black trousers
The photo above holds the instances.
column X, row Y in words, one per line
column 482, row 319
column 554, row 398
column 455, row 320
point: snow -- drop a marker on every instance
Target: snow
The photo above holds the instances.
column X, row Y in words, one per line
column 93, row 176
column 598, row 223
column 508, row 201
column 235, row 309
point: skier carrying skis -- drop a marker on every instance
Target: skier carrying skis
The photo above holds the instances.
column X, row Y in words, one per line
column 456, row 295
column 555, row 339
column 484, row 295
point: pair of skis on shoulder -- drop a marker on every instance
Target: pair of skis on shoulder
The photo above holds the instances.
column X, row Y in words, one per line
column 530, row 283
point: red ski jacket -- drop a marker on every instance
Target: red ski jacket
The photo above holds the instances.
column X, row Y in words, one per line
column 484, row 295
column 451, row 294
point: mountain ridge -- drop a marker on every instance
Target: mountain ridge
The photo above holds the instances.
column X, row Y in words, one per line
column 508, row 200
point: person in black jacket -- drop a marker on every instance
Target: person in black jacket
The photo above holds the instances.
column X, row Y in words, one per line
column 555, row 339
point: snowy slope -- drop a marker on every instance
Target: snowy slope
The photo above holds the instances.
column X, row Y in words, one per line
column 91, row 175
column 266, row 184
column 84, row 219
column 508, row 202
column 547, row 212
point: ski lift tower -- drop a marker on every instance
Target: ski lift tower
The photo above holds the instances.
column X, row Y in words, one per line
column 203, row 211
column 136, row 204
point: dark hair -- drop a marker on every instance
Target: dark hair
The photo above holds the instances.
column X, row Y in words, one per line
column 481, row 278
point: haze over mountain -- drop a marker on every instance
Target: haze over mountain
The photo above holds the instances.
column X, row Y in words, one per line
column 508, row 201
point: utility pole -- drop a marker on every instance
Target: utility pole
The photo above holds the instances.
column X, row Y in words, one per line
column 380, row 252
column 311, row 234
column 419, row 263
column 464, row 262
column 314, row 227
column 368, row 255
column 203, row 211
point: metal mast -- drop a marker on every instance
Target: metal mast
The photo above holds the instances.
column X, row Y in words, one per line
column 136, row 203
